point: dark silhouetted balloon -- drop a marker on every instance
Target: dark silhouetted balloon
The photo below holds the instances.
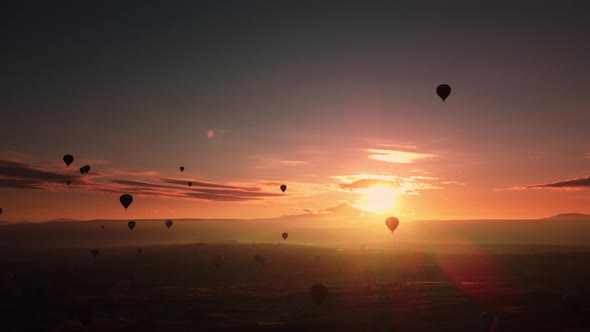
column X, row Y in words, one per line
column 139, row 251
column 219, row 260
column 68, row 159
column 1, row 211
column 169, row 223
column 131, row 225
column 85, row 315
column 182, row 168
column 443, row 91
column 283, row 188
column 392, row 223
column 68, row 182
column 285, row 236
column 86, row 169
column 126, row 200
column 101, row 227
column 572, row 301
column 190, row 184
column 318, row 293
column 94, row 252
column 81, row 170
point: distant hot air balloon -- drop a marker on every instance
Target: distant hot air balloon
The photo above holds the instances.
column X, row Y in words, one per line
column 94, row 252
column 86, row 169
column 68, row 182
column 219, row 260
column 131, row 225
column 81, row 170
column 285, row 235
column 443, row 91
column 318, row 293
column 101, row 227
column 126, row 200
column 85, row 315
column 392, row 223
column 68, row 159
column 0, row 211
column 139, row 251
column 182, row 168
column 169, row 223
column 283, row 188
column 190, row 184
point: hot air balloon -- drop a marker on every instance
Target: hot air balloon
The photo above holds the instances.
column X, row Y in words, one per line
column 68, row 182
column 126, row 200
column 0, row 211
column 443, row 91
column 392, row 223
column 285, row 235
column 139, row 251
column 318, row 293
column 94, row 252
column 190, row 184
column 169, row 223
column 182, row 168
column 219, row 260
column 68, row 159
column 101, row 227
column 86, row 169
column 85, row 315
column 81, row 170
column 283, row 188
column 131, row 225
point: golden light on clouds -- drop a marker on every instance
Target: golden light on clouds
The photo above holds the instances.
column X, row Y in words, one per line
column 398, row 157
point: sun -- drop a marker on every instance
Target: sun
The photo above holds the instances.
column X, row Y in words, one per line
column 380, row 199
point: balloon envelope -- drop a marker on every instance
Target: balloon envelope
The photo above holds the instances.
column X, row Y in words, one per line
column 285, row 236
column 68, row 182
column 68, row 159
column 182, row 168
column 0, row 211
column 81, row 170
column 86, row 169
column 190, row 184
column 101, row 226
column 283, row 188
column 169, row 223
column 131, row 225
column 126, row 200
column 392, row 223
column 318, row 293
column 443, row 91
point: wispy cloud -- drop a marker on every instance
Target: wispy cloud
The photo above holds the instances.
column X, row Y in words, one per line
column 410, row 185
column 570, row 184
column 398, row 156
column 271, row 161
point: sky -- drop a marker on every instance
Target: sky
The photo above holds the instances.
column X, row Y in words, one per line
column 335, row 99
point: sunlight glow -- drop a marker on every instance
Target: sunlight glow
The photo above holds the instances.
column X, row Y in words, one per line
column 380, row 199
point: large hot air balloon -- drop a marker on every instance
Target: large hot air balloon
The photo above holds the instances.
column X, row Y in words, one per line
column 139, row 251
column 126, row 200
column 318, row 293
column 219, row 260
column 182, row 168
column 443, row 91
column 68, row 159
column 169, row 223
column 285, row 236
column 283, row 188
column 190, row 184
column 392, row 223
column 131, row 225
column 85, row 315
column 94, row 252
column 68, row 182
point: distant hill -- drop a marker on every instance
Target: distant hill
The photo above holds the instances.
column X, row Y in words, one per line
column 334, row 226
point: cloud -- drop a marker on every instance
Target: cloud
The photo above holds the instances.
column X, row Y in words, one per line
column 408, row 185
column 20, row 175
column 270, row 161
column 570, row 184
column 397, row 156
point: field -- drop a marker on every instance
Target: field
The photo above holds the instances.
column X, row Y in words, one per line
column 179, row 288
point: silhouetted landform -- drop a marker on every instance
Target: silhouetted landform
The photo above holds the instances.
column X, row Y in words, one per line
column 343, row 224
